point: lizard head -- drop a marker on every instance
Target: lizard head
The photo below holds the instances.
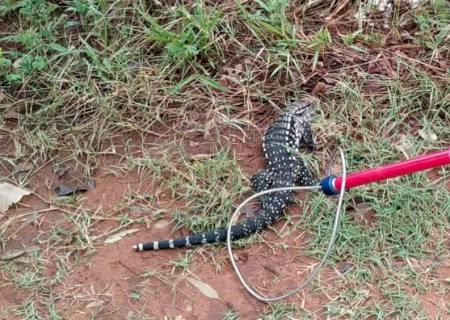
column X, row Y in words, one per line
column 303, row 108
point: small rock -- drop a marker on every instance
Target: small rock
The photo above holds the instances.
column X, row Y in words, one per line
column 189, row 308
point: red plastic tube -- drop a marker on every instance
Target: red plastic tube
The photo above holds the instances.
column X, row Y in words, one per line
column 393, row 170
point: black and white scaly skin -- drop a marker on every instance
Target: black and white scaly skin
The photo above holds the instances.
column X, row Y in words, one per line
column 290, row 131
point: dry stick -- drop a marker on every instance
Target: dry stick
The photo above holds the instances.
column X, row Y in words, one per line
column 112, row 231
column 53, row 208
column 38, row 169
column 427, row 65
column 338, row 9
column 67, row 211
column 11, row 220
column 128, row 268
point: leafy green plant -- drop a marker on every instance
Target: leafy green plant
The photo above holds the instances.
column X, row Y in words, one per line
column 434, row 26
column 93, row 17
column 36, row 11
column 31, row 63
column 30, row 39
column 318, row 43
column 270, row 18
column 269, row 23
column 188, row 38
column 6, row 71
column 4, row 62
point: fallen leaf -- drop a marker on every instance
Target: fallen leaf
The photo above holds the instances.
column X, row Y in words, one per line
column 10, row 194
column 65, row 190
column 118, row 236
column 161, row 224
column 15, row 253
column 96, row 307
column 427, row 135
column 419, row 265
column 200, row 156
column 12, row 115
column 346, row 267
column 204, row 288
column 363, row 208
column 17, row 63
column 249, row 211
column 95, row 304
column 137, row 210
column 70, row 189
column 193, row 144
column 404, row 144
column 321, row 88
column 24, row 166
column 329, row 80
column 415, row 3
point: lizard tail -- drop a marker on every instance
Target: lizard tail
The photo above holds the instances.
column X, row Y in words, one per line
column 238, row 231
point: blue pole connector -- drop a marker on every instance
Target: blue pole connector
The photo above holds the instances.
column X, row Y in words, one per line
column 327, row 186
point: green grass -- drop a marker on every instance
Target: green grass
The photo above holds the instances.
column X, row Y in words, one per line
column 81, row 80
column 280, row 310
column 187, row 39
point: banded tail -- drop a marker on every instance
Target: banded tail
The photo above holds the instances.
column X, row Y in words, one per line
column 238, row 231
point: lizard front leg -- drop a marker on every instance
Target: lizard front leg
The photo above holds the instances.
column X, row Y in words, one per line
column 307, row 138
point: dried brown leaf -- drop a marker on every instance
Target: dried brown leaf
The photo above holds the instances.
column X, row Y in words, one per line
column 161, row 224
column 118, row 236
column 204, row 288
column 10, row 194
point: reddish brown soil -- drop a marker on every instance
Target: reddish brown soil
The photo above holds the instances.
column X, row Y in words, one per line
column 101, row 284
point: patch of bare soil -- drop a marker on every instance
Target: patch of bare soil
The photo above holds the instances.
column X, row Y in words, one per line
column 115, row 272
column 115, row 282
column 112, row 285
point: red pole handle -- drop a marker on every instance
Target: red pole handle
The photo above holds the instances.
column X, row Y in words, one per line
column 387, row 171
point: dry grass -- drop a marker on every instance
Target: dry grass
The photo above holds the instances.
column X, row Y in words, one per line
column 87, row 83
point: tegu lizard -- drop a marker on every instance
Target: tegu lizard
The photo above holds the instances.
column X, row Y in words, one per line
column 282, row 140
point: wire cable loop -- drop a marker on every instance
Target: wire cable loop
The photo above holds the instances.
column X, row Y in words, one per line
column 316, row 271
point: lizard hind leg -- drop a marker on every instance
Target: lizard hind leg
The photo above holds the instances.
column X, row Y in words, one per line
column 305, row 177
column 261, row 181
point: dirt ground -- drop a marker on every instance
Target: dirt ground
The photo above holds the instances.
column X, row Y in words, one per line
column 101, row 282
column 156, row 110
column 102, row 279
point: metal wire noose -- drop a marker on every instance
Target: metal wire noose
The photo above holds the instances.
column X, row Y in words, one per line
column 316, row 271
